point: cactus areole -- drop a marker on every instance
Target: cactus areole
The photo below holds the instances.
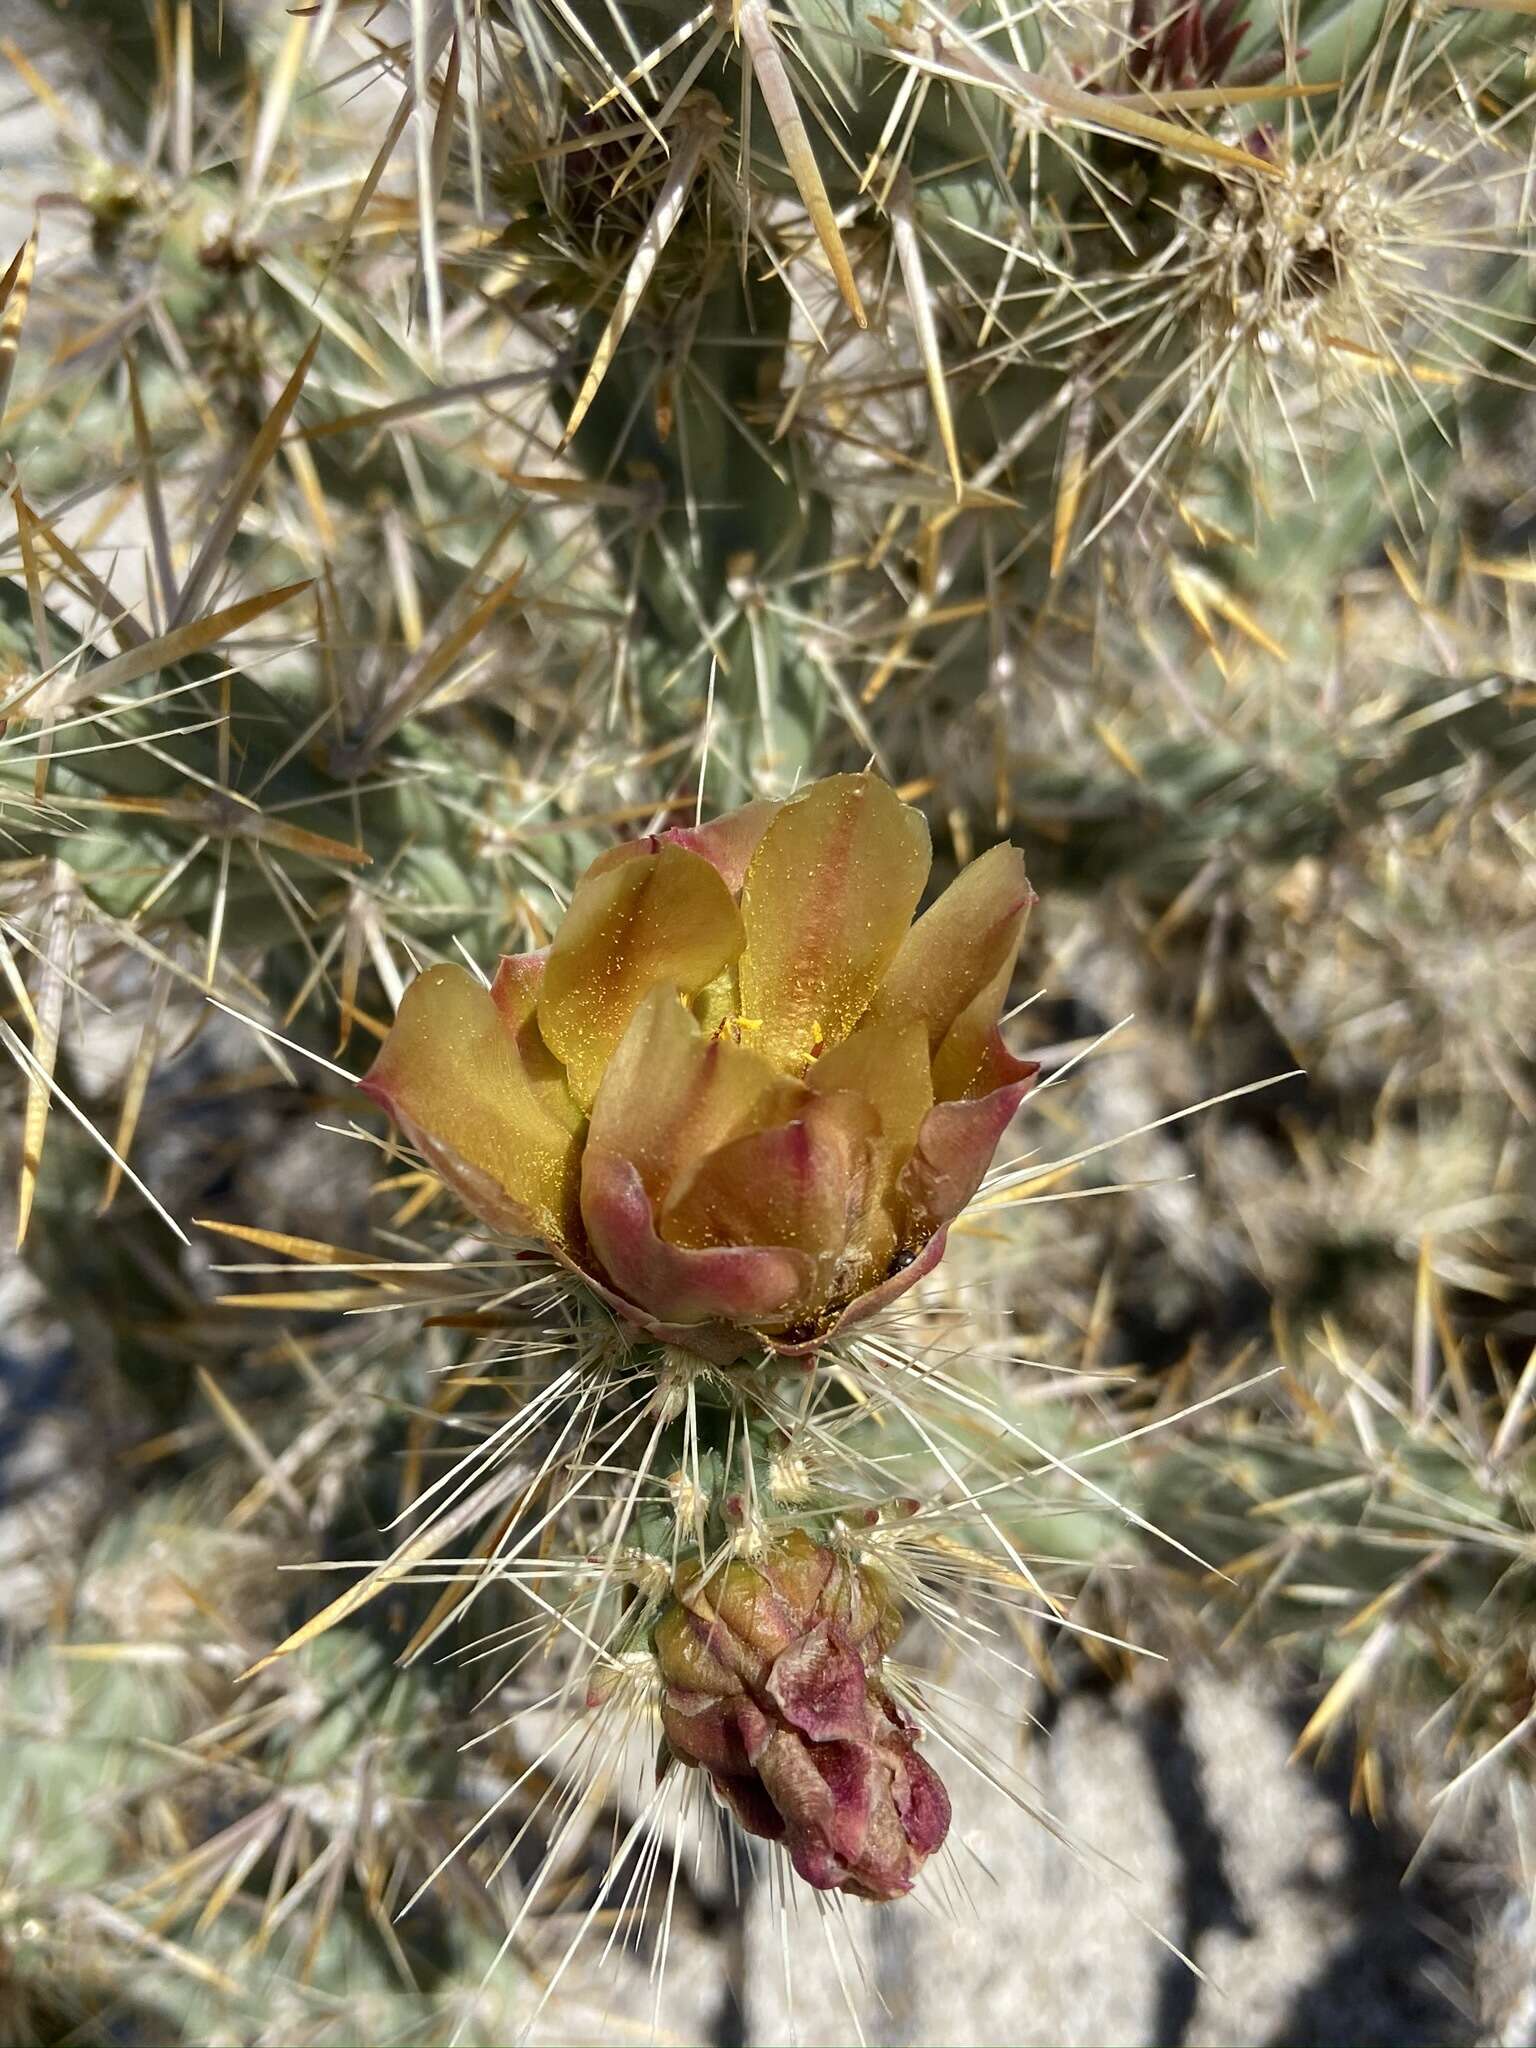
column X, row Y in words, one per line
column 741, row 1092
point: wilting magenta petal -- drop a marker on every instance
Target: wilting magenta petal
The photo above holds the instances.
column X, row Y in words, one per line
column 955, row 1144
column 788, row 1770
column 806, row 1746
column 818, row 1684
column 738, row 1283
column 827, row 1793
column 753, row 1727
column 706, row 1729
column 817, row 1862
column 922, row 1802
column 853, row 1773
column 750, row 1804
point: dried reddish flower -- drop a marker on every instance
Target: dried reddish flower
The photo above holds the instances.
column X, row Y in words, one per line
column 1180, row 45
column 772, row 1686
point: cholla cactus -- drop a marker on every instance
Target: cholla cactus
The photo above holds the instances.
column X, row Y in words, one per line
column 731, row 1111
column 445, row 443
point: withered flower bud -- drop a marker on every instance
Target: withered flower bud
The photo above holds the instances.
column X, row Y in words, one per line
column 737, row 1092
column 772, row 1685
column 1185, row 44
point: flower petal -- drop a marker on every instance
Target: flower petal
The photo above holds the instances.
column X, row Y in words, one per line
column 657, row 917
column 515, row 992
column 802, row 1184
column 922, row 1802
column 957, row 960
column 998, row 1068
column 718, row 1004
column 727, row 842
column 955, row 1147
column 742, row 1284
column 804, row 1798
column 673, row 1092
column 703, row 1727
column 963, row 1050
column 871, row 1302
column 764, row 1609
column 475, row 1101
column 717, row 1343
column 687, row 1659
column 828, row 895
column 888, row 1065
column 829, row 1795
column 818, row 1684
column 750, row 1805
column 859, row 1782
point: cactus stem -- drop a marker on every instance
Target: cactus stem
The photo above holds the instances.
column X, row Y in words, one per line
column 701, row 125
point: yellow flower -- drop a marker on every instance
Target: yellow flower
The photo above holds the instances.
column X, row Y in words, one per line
column 740, row 1092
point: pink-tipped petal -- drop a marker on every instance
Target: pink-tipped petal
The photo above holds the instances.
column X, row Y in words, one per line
column 729, row 842
column 999, row 1068
column 954, row 1149
column 737, row 1283
column 516, row 983
column 869, row 1303
column 717, row 1343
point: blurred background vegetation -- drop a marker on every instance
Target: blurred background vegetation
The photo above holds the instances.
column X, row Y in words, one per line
column 440, row 438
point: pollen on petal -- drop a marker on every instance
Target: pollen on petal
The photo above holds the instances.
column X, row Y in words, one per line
column 663, row 918
column 826, row 901
column 482, row 1102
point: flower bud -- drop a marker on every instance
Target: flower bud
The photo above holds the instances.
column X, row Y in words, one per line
column 740, row 1092
column 771, row 1677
